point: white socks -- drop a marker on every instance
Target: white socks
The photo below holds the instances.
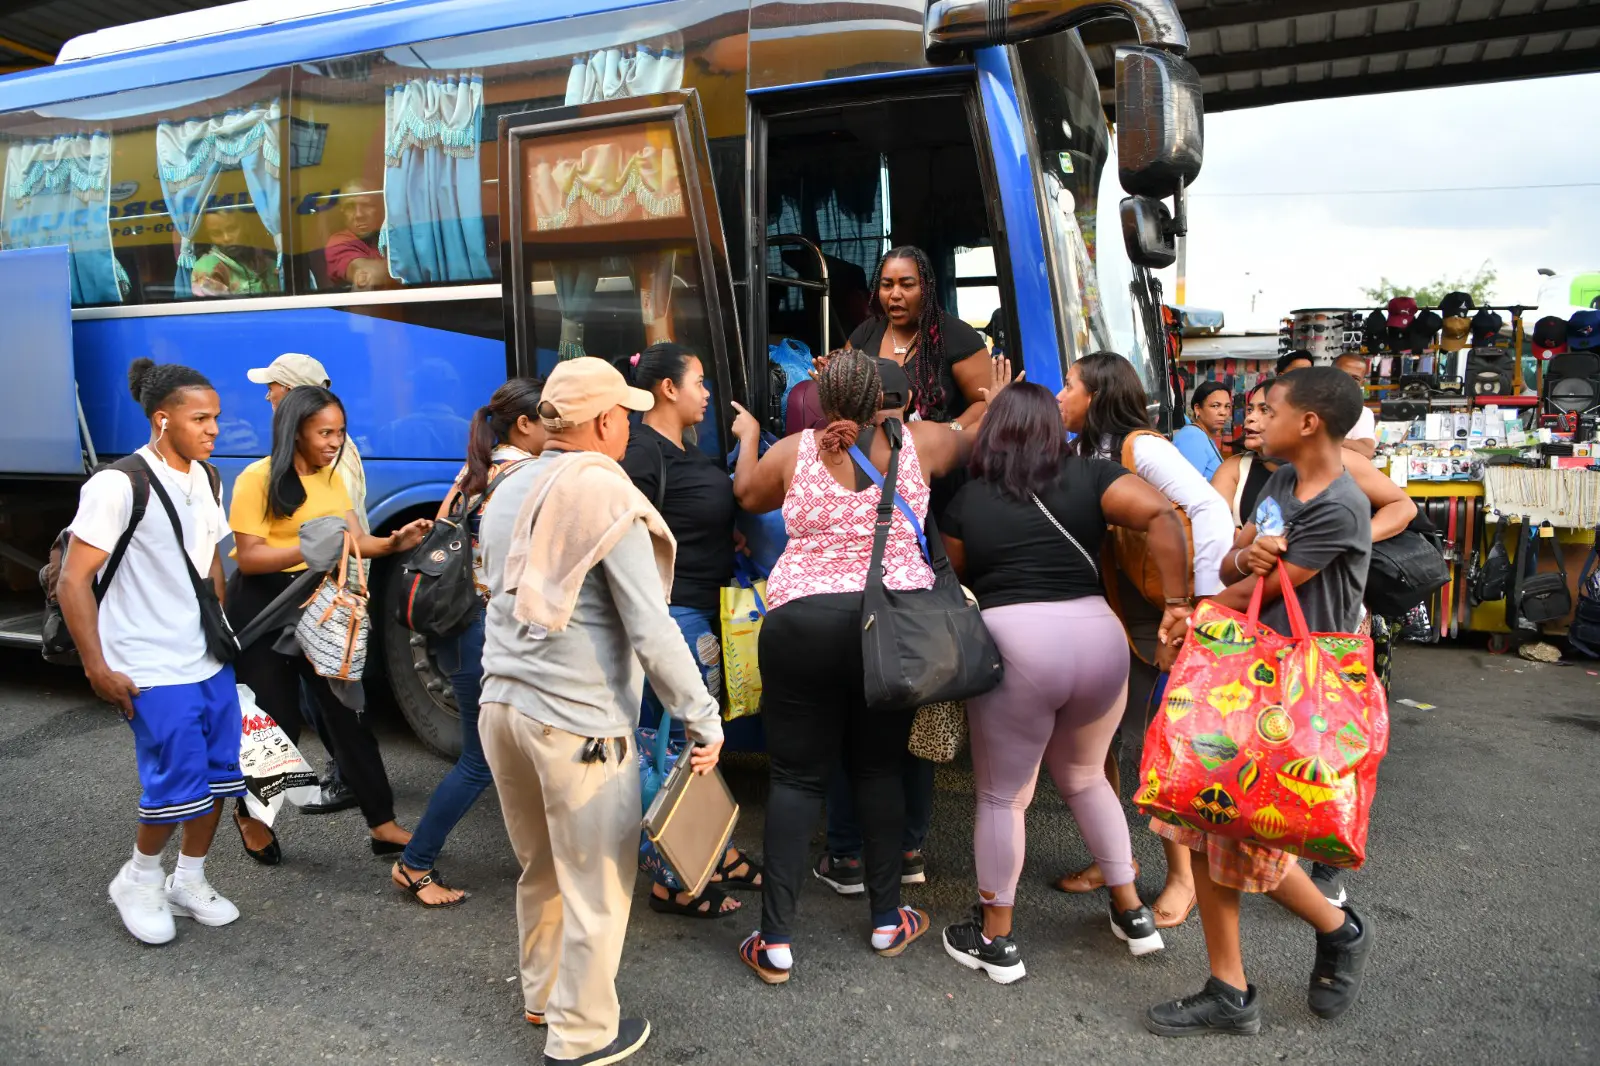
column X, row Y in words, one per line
column 779, row 956
column 190, row 869
column 145, row 869
column 883, row 936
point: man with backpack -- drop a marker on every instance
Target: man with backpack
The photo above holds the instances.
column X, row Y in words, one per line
column 133, row 601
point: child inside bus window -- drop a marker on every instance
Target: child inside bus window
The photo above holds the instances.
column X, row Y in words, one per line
column 230, row 266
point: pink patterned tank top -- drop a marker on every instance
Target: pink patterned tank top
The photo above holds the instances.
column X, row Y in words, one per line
column 830, row 531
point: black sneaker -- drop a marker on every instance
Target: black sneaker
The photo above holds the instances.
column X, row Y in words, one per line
column 1213, row 1009
column 842, row 875
column 913, row 870
column 631, row 1035
column 1138, row 929
column 334, row 796
column 999, row 958
column 1330, row 882
column 1341, row 959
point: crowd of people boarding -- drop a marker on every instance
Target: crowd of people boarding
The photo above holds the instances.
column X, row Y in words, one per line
column 601, row 537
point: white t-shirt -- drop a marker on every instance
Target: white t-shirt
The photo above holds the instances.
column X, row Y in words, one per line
column 1366, row 427
column 149, row 619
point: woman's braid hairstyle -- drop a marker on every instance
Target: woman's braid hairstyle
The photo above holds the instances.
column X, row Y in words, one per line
column 849, row 389
column 929, row 355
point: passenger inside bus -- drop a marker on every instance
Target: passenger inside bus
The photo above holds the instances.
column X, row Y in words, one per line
column 230, row 265
column 354, row 259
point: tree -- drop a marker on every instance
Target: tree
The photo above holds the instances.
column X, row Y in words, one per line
column 1479, row 286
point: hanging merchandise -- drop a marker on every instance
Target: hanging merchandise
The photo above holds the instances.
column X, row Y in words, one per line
column 1267, row 738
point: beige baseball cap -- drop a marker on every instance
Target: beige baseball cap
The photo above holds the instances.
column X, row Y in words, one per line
column 291, row 370
column 580, row 390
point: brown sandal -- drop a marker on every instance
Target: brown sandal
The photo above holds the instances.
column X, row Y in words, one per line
column 1082, row 881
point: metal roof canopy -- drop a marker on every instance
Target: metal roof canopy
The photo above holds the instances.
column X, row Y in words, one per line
column 1249, row 53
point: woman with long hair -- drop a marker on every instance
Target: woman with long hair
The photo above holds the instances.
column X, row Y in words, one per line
column 695, row 498
column 272, row 498
column 1104, row 403
column 1024, row 534
column 811, row 666
column 505, row 431
column 947, row 362
column 1210, row 411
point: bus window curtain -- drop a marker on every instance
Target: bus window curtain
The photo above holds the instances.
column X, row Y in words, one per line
column 57, row 191
column 432, row 185
column 189, row 157
column 602, row 177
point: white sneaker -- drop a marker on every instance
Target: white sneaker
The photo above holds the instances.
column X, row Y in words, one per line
column 198, row 900
column 143, row 908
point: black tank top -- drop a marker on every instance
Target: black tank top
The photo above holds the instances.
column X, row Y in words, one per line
column 1255, row 480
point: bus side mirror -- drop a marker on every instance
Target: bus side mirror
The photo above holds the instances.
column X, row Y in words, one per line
column 1148, row 232
column 1160, row 124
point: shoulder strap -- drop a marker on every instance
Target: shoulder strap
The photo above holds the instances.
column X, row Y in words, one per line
column 138, row 473
column 887, row 484
column 1555, row 546
column 1127, row 447
column 1093, row 567
column 887, row 500
column 661, row 476
column 488, row 490
column 214, row 476
column 177, row 526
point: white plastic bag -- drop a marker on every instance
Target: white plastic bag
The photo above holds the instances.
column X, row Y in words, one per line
column 272, row 766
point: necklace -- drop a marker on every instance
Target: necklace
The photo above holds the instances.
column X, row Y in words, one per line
column 900, row 349
column 185, row 485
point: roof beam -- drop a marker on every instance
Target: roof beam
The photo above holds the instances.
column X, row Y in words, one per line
column 1120, row 31
column 1474, row 32
column 1522, row 67
column 26, row 50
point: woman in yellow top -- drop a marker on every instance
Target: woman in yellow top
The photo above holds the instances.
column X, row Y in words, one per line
column 272, row 498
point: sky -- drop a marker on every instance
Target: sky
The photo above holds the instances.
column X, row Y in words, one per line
column 1318, row 248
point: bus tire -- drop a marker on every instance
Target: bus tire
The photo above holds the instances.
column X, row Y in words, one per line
column 420, row 688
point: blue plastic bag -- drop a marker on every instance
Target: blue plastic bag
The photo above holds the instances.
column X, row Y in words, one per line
column 794, row 357
column 657, row 755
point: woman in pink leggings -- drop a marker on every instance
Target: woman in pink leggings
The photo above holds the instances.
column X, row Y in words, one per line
column 1025, row 536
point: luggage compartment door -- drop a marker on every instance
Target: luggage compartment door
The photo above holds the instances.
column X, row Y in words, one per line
column 39, row 427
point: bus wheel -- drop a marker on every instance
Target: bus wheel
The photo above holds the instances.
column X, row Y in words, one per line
column 420, row 688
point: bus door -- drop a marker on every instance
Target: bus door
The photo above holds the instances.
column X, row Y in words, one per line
column 843, row 173
column 611, row 241
column 40, row 419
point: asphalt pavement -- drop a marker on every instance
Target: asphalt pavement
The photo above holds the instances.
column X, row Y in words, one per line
column 1482, row 886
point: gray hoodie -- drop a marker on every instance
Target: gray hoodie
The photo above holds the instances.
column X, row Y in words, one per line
column 588, row 678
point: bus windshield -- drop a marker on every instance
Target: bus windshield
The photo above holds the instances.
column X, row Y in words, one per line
column 1101, row 301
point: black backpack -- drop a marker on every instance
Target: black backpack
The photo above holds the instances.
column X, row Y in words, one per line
column 438, row 596
column 1584, row 634
column 56, row 645
column 1493, row 574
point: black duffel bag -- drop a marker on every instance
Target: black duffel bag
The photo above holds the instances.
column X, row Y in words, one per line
column 1405, row 570
column 919, row 646
column 1584, row 634
column 1542, row 598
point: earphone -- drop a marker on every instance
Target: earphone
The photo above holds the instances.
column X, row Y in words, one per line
column 163, row 423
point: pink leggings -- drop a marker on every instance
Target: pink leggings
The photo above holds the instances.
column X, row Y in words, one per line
column 1065, row 685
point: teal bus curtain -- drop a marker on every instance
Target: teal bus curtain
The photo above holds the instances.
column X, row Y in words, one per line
column 57, row 191
column 432, row 183
column 189, row 156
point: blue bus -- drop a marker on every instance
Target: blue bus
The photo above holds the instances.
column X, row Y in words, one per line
column 430, row 195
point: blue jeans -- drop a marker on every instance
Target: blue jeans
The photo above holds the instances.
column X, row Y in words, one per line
column 702, row 631
column 461, row 787
column 844, row 831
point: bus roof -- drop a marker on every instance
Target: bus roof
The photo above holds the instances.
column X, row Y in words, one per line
column 245, row 44
column 192, row 25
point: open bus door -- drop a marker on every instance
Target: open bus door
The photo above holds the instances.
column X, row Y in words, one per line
column 42, row 435
column 611, row 241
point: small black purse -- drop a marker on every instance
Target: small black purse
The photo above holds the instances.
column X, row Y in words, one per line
column 1542, row 598
column 918, row 646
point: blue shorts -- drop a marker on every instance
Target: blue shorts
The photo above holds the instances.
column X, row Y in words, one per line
column 187, row 741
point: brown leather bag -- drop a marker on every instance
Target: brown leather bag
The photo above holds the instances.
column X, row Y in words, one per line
column 1128, row 551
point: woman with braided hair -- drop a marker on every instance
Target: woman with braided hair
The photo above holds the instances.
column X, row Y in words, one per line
column 946, row 360
column 811, row 667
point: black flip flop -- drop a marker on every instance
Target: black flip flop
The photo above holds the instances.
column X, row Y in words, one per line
column 714, row 896
column 430, row 878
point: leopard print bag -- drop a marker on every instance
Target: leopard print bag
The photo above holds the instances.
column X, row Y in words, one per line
column 938, row 731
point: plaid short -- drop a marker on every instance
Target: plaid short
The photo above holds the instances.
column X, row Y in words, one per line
column 1231, row 863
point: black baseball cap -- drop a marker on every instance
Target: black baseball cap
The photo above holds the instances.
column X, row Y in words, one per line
column 1374, row 331
column 1485, row 324
column 1549, row 337
column 1455, row 304
column 896, row 386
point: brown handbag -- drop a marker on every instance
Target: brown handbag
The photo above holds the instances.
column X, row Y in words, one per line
column 1128, row 550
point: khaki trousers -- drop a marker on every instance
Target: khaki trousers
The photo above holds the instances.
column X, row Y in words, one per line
column 575, row 829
